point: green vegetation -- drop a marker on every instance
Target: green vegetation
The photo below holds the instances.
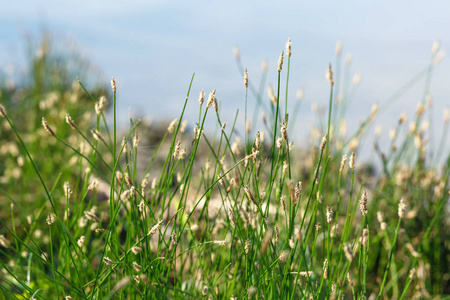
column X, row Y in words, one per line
column 82, row 216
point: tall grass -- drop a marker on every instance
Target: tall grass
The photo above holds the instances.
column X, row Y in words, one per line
column 209, row 217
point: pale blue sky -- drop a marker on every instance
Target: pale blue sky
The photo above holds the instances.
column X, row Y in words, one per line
column 153, row 47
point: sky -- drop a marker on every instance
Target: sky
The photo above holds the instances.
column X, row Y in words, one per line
column 152, row 48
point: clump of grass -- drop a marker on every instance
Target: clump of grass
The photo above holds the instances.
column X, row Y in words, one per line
column 260, row 219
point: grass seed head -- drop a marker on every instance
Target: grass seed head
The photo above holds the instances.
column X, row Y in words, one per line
column 284, row 255
column 363, row 203
column 258, row 140
column 205, row 290
column 136, row 250
column 219, row 243
column 113, row 85
column 277, row 234
column 128, row 179
column 211, row 98
column 172, row 125
column 401, row 208
column 329, row 214
column 100, row 105
column 349, row 279
column 96, row 135
column 348, row 251
column 352, row 161
column 155, row 228
column 67, row 190
column 232, row 217
column 91, row 216
column 135, row 139
column 288, row 47
column 344, row 159
column 107, row 261
column 51, row 218
column 247, row 246
column 4, row 241
column 70, row 122
column 246, row 78
column 80, row 241
column 93, row 185
column 280, row 62
column 249, row 195
column 137, row 267
column 279, row 142
column 176, row 151
column 323, row 143
column 325, row 268
column 201, row 97
column 2, row 111
column 283, row 130
column 329, row 75
column 47, row 127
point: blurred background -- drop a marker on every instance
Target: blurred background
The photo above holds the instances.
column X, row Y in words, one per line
column 152, row 48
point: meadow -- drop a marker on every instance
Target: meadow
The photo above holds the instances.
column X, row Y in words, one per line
column 188, row 211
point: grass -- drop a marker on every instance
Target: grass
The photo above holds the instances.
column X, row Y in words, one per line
column 207, row 216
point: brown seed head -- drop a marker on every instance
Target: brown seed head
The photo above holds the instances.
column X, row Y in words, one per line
column 128, row 179
column 249, row 195
column 107, row 261
column 70, row 122
column 47, row 127
column 284, row 132
column 232, row 217
column 283, row 202
column 246, row 78
column 277, row 234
